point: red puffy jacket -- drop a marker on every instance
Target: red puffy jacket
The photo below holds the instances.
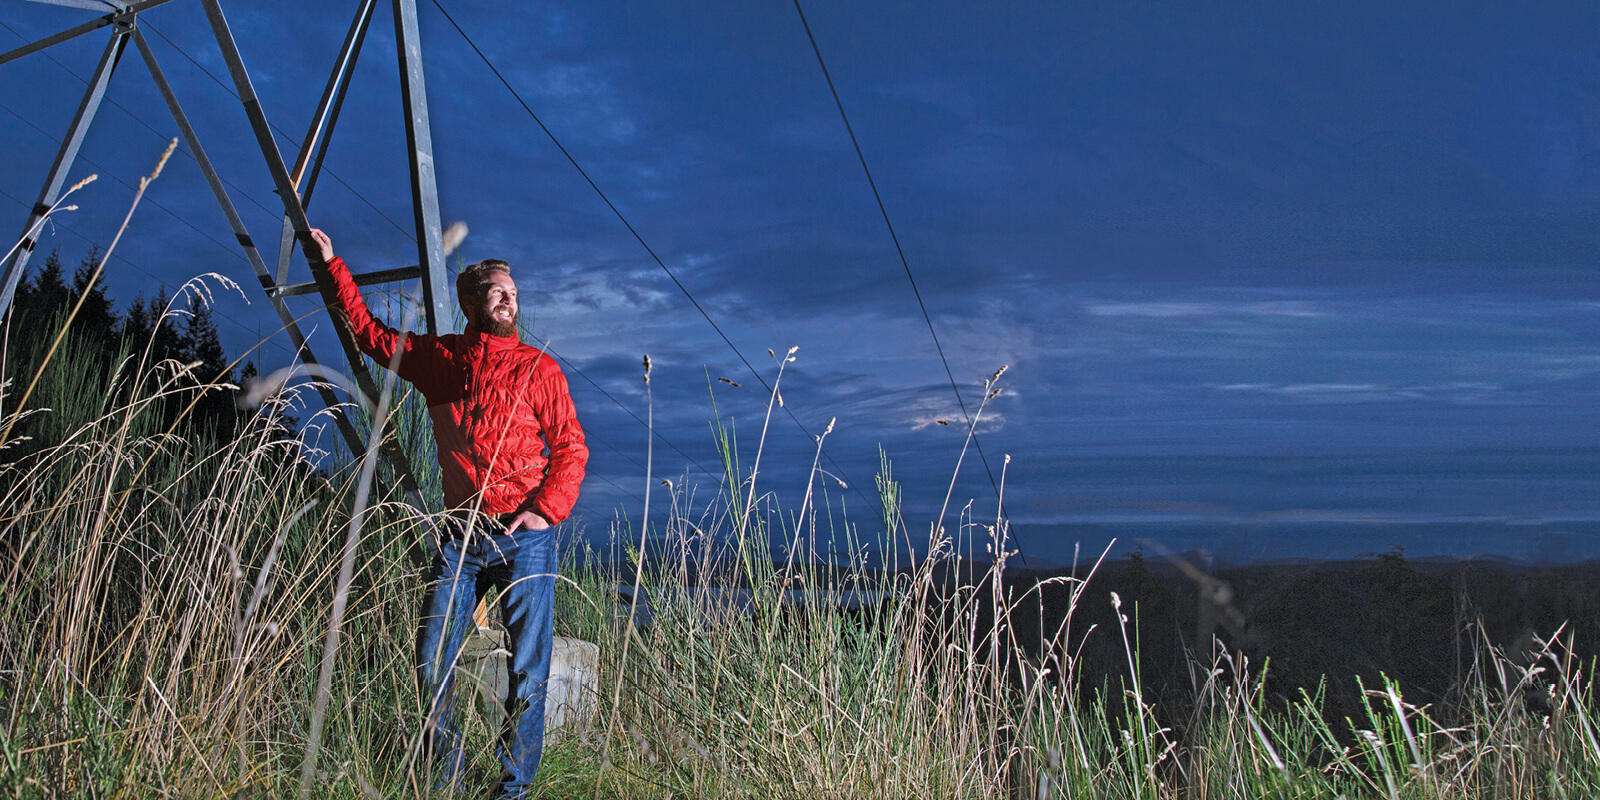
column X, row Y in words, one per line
column 496, row 404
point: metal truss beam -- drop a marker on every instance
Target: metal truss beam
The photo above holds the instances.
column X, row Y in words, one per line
column 297, row 215
column 252, row 254
column 322, row 123
column 363, row 279
column 424, row 192
column 307, row 167
column 124, row 16
column 68, row 153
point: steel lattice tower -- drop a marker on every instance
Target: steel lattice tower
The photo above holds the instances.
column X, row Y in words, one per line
column 294, row 183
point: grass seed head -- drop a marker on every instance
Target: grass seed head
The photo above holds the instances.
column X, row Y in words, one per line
column 454, row 236
column 160, row 163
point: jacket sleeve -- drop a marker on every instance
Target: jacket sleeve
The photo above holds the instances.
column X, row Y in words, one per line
column 372, row 337
column 569, row 456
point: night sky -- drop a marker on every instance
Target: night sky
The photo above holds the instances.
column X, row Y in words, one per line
column 1273, row 279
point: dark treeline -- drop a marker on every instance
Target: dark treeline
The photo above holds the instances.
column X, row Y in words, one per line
column 1329, row 629
column 102, row 339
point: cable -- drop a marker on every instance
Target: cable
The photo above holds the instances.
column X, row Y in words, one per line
column 564, row 361
column 289, row 140
column 103, row 171
column 597, row 190
column 619, row 487
column 545, row 345
column 136, row 118
column 636, row 236
column 190, row 225
column 164, row 285
column 903, row 261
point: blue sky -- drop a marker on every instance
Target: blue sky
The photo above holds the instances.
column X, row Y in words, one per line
column 1249, row 262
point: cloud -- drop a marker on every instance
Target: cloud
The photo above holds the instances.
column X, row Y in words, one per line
column 1190, row 309
column 1369, row 392
column 990, row 422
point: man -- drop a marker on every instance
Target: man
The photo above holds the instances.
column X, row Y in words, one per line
column 511, row 456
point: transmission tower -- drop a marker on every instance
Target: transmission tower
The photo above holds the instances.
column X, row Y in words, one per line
column 294, row 183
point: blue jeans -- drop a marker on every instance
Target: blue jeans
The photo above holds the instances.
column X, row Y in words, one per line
column 522, row 566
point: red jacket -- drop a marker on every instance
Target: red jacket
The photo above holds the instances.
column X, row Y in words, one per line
column 497, row 405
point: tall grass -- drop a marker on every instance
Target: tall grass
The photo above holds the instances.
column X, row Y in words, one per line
column 165, row 597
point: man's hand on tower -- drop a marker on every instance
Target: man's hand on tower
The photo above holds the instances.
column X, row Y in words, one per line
column 323, row 243
column 527, row 520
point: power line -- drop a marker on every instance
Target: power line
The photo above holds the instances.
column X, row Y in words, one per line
column 135, row 117
column 686, row 293
column 190, row 225
column 164, row 285
column 564, row 361
column 113, row 176
column 281, row 133
column 274, row 342
column 289, row 140
column 902, row 253
column 597, row 190
column 627, row 492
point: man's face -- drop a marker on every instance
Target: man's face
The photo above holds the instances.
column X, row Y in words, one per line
column 493, row 306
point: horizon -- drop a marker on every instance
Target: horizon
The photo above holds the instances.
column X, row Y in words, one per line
column 1249, row 266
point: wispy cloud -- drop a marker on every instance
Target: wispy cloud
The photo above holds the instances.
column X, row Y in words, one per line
column 1365, row 392
column 990, row 422
column 1179, row 309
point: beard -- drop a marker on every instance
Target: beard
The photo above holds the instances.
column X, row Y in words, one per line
column 497, row 326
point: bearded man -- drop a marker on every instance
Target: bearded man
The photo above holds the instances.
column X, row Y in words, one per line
column 511, row 458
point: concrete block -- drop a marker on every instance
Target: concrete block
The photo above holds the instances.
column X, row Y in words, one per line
column 569, row 697
column 574, row 684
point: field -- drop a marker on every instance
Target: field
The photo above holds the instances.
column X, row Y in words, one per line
column 198, row 602
column 168, row 597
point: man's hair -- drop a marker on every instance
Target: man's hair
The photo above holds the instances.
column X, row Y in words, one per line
column 471, row 276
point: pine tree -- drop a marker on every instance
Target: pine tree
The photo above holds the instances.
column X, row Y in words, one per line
column 24, row 296
column 168, row 338
column 137, row 325
column 217, row 411
column 96, row 317
column 47, row 292
column 202, row 344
